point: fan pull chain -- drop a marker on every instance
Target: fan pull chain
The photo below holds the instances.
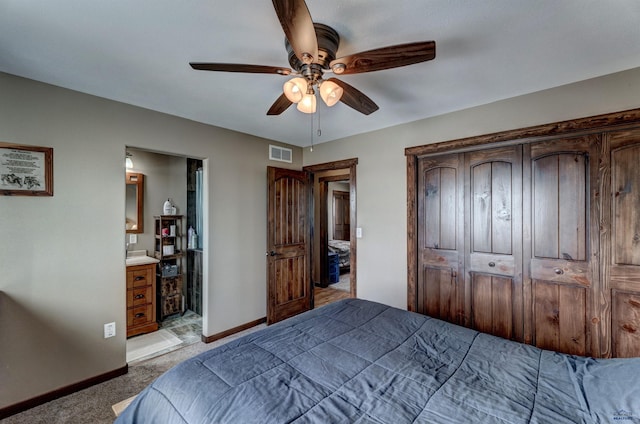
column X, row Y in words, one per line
column 311, row 120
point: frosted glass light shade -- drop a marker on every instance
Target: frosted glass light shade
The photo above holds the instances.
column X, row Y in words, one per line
column 307, row 104
column 330, row 92
column 128, row 163
column 295, row 89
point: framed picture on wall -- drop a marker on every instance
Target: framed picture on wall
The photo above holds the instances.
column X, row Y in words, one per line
column 26, row 170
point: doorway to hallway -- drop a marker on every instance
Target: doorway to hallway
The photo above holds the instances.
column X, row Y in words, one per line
column 334, row 244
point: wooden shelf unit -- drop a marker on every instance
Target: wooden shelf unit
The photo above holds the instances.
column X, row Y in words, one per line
column 169, row 273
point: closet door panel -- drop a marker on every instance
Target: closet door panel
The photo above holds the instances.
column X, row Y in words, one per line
column 626, row 199
column 440, row 254
column 626, row 324
column 493, row 288
column 558, row 182
column 437, row 298
column 492, row 308
column 559, row 317
column 492, row 207
column 560, row 269
column 624, row 271
column 545, row 201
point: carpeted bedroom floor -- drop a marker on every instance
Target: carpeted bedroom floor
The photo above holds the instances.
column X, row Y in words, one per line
column 93, row 405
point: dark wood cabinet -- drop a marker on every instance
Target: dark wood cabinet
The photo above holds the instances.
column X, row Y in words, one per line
column 536, row 240
column 141, row 302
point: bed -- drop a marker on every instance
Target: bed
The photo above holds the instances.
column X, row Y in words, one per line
column 356, row 361
column 343, row 249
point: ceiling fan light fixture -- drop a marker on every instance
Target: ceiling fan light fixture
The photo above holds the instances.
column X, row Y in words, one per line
column 307, row 104
column 295, row 89
column 330, row 92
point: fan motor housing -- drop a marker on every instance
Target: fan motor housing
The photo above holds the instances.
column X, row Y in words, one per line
column 328, row 42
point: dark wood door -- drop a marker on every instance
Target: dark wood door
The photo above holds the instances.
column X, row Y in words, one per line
column 289, row 290
column 493, row 280
column 623, row 259
column 341, row 226
column 440, row 237
column 563, row 275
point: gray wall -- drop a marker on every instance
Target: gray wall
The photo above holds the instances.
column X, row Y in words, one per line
column 381, row 170
column 62, row 270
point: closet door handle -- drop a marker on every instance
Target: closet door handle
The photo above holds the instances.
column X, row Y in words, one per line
column 138, row 278
column 139, row 315
column 558, row 271
column 492, row 264
column 139, row 296
column 273, row 253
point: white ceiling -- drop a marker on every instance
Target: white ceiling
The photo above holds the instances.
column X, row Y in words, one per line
column 137, row 52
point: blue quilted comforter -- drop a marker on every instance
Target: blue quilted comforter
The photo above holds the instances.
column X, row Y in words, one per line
column 356, row 361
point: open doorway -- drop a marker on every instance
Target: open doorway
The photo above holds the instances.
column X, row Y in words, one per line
column 173, row 297
column 334, row 231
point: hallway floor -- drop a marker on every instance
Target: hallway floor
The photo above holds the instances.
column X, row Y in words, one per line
column 325, row 295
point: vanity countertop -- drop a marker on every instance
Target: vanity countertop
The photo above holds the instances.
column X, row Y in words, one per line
column 139, row 257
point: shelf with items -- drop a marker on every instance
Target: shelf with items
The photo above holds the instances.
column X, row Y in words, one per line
column 169, row 274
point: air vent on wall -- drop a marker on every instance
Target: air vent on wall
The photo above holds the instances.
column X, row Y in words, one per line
column 281, row 154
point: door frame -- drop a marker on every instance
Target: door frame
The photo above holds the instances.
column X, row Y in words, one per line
column 323, row 232
column 350, row 165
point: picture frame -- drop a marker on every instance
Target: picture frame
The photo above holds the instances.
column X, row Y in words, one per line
column 26, row 170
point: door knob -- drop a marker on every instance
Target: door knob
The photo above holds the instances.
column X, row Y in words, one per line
column 492, row 264
column 273, row 253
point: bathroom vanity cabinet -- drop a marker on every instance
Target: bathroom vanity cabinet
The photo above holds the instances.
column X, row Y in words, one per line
column 141, row 299
column 169, row 250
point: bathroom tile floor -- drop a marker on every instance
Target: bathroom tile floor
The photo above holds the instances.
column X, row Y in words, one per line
column 187, row 327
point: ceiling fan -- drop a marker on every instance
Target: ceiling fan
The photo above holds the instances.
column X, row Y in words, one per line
column 312, row 51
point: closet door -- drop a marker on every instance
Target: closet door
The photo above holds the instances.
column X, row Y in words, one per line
column 562, row 248
column 440, row 237
column 623, row 273
column 493, row 283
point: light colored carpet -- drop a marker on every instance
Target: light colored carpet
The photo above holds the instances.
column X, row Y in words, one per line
column 94, row 404
column 343, row 284
column 148, row 344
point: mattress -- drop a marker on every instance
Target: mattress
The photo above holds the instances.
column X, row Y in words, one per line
column 356, row 361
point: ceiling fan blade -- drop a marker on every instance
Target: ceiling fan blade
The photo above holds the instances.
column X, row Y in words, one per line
column 238, row 67
column 355, row 99
column 385, row 58
column 280, row 105
column 298, row 27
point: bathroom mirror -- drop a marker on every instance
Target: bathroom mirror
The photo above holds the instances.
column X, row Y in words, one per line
column 134, row 205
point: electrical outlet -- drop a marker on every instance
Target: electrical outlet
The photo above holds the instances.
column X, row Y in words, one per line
column 358, row 232
column 109, row 330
